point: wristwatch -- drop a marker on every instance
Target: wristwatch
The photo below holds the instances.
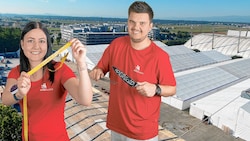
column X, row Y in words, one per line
column 13, row 91
column 158, row 90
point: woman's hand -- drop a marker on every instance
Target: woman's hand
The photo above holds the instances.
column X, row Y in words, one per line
column 78, row 51
column 23, row 84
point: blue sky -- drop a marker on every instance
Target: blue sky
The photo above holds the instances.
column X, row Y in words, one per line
column 163, row 9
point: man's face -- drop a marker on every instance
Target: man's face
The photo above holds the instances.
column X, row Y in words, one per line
column 139, row 25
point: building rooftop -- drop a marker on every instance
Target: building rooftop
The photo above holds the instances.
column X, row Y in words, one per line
column 199, row 69
column 88, row 123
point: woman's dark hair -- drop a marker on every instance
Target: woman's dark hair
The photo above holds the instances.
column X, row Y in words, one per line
column 141, row 7
column 24, row 62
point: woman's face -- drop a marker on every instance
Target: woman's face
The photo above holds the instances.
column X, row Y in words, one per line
column 34, row 45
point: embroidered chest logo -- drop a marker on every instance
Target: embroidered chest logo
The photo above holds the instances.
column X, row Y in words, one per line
column 44, row 88
column 138, row 69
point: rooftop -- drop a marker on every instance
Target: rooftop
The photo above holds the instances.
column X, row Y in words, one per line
column 88, row 123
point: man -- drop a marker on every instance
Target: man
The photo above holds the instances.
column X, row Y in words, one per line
column 133, row 112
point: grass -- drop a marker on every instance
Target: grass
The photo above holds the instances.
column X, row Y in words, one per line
column 55, row 46
column 206, row 28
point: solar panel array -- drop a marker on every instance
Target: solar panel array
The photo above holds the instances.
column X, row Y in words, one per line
column 187, row 61
column 182, row 58
column 240, row 69
column 217, row 56
column 196, row 85
column 175, row 50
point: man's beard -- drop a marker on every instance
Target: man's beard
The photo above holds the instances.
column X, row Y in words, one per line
column 138, row 40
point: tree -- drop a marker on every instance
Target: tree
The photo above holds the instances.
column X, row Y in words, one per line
column 9, row 39
column 10, row 124
column 52, row 40
column 58, row 38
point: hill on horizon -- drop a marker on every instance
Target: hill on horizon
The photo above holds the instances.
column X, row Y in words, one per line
column 226, row 19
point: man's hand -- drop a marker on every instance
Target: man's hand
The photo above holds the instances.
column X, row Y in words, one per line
column 146, row 89
column 96, row 74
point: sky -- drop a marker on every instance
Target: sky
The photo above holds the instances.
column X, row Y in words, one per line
column 163, row 9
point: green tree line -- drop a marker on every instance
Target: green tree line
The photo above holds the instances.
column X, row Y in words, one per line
column 170, row 38
column 9, row 39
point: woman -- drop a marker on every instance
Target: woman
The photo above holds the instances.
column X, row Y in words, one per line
column 47, row 88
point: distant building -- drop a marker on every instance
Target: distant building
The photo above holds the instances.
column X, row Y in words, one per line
column 10, row 54
column 91, row 35
column 94, row 38
column 98, row 34
column 154, row 33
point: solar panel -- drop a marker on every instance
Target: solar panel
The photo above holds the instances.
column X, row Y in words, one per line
column 240, row 68
column 198, row 83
